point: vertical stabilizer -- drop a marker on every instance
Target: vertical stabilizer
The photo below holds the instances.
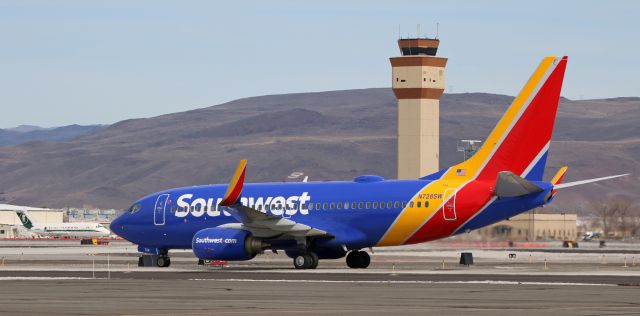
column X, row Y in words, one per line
column 24, row 218
column 520, row 141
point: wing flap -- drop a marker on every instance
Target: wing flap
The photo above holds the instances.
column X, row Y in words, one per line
column 265, row 225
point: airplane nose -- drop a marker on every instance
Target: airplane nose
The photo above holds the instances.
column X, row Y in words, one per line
column 117, row 226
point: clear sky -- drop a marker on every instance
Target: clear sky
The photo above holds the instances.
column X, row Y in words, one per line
column 86, row 62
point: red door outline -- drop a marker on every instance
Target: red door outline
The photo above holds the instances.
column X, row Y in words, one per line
column 449, row 207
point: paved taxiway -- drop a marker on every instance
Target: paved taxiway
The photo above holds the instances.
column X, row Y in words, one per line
column 63, row 278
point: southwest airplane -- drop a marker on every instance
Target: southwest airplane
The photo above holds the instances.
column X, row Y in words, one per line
column 80, row 230
column 331, row 220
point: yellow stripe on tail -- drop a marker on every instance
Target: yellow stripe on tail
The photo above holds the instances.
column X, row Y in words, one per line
column 557, row 179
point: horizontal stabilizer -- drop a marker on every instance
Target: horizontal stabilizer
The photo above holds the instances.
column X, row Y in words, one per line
column 573, row 184
column 508, row 184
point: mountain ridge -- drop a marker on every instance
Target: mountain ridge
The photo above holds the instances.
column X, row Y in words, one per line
column 334, row 135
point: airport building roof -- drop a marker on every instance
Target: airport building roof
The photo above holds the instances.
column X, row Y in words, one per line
column 9, row 207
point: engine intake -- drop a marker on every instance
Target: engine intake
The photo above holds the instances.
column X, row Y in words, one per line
column 226, row 244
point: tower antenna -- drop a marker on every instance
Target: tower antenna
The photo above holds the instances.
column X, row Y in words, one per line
column 437, row 29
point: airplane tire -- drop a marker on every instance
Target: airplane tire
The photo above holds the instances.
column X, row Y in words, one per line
column 306, row 261
column 366, row 259
column 314, row 260
column 354, row 259
column 163, row 261
column 300, row 261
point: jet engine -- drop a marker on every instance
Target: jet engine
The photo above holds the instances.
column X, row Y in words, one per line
column 226, row 244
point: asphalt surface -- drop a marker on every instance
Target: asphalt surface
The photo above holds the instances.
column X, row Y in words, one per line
column 216, row 297
column 376, row 276
column 67, row 279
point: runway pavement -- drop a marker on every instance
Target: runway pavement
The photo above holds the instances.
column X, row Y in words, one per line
column 230, row 297
column 64, row 278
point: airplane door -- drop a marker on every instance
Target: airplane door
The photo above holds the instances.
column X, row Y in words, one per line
column 158, row 212
column 449, row 207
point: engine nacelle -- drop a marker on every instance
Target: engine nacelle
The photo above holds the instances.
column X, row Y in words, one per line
column 225, row 244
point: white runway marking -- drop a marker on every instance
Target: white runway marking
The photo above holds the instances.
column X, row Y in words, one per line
column 45, row 278
column 407, row 282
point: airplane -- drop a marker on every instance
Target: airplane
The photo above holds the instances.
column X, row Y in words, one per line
column 312, row 221
column 73, row 230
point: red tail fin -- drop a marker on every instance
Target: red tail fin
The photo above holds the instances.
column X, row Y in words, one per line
column 520, row 140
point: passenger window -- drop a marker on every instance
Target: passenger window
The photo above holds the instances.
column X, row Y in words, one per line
column 325, row 206
column 295, row 207
column 368, row 205
column 339, row 205
column 353, row 205
column 404, row 204
column 318, row 206
column 411, row 204
column 346, row 205
column 360, row 205
column 332, row 206
column 396, row 204
column 259, row 207
column 266, row 207
column 389, row 205
column 375, row 205
column 426, row 203
column 419, row 204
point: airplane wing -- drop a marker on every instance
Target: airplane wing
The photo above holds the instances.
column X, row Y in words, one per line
column 258, row 223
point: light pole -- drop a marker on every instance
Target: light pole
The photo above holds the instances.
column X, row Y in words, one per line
column 468, row 147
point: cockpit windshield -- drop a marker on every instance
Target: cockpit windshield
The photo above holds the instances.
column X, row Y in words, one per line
column 134, row 208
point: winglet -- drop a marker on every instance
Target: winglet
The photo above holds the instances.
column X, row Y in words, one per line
column 557, row 179
column 234, row 191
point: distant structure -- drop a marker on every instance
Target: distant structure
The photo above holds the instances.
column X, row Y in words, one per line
column 10, row 223
column 468, row 147
column 418, row 82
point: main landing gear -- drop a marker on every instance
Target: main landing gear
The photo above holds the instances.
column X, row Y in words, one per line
column 307, row 260
column 163, row 261
column 149, row 260
column 358, row 259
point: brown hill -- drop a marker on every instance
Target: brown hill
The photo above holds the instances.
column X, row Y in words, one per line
column 327, row 135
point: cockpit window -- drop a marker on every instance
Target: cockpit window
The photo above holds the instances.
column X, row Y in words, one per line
column 134, row 208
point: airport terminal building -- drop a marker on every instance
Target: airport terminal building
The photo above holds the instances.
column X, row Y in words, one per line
column 531, row 226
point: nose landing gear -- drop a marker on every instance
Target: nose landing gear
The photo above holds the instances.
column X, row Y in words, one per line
column 358, row 259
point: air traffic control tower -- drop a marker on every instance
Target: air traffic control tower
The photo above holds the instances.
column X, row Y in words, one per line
column 418, row 83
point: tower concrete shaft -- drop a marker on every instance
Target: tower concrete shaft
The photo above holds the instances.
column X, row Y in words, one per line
column 418, row 83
